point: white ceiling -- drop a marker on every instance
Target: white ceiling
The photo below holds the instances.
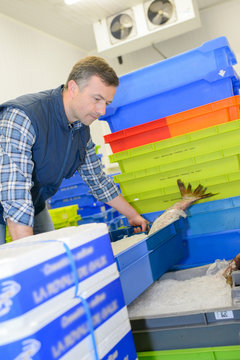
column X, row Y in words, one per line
column 71, row 23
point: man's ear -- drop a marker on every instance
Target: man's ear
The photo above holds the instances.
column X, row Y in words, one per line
column 72, row 87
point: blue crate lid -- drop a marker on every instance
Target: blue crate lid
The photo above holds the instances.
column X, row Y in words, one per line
column 213, row 87
column 174, row 72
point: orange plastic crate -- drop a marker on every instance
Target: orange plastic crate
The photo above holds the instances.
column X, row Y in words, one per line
column 181, row 123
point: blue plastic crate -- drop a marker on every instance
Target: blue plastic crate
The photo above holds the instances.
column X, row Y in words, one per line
column 103, row 216
column 207, row 248
column 215, row 205
column 202, row 208
column 70, row 191
column 74, row 180
column 96, row 208
column 148, row 259
column 210, row 217
column 116, row 223
column 110, row 217
column 80, row 200
column 222, row 220
column 188, row 80
column 210, row 232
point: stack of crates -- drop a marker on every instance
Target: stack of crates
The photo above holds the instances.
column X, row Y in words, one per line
column 74, row 191
column 185, row 113
column 180, row 119
column 74, row 194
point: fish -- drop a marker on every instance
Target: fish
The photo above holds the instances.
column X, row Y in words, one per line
column 234, row 265
column 177, row 210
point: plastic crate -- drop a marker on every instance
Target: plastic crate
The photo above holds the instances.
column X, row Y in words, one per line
column 110, row 217
column 213, row 353
column 90, row 210
column 217, row 216
column 148, row 259
column 188, row 80
column 103, row 216
column 208, row 222
column 189, row 170
column 80, row 200
column 74, row 180
column 194, row 119
column 160, row 199
column 221, row 220
column 216, row 231
column 65, row 216
column 8, row 237
column 204, row 249
column 188, row 330
column 203, row 207
column 175, row 150
column 118, row 223
column 70, row 191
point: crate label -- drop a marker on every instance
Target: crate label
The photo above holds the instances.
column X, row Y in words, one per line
column 223, row 315
column 23, row 291
column 55, row 338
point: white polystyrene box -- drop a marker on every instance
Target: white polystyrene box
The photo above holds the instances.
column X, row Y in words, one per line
column 52, row 334
column 117, row 345
column 37, row 269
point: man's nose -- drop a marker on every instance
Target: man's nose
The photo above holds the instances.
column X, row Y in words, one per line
column 101, row 108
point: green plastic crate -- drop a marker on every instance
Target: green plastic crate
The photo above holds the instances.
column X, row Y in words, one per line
column 65, row 216
column 160, row 199
column 173, row 150
column 215, row 353
column 155, row 178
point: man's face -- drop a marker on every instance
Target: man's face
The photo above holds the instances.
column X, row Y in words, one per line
column 89, row 102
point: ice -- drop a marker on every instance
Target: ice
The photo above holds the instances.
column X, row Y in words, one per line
column 171, row 296
column 126, row 242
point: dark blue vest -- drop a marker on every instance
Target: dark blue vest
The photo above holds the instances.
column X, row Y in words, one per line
column 58, row 150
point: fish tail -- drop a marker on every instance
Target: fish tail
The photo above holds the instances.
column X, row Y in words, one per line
column 194, row 195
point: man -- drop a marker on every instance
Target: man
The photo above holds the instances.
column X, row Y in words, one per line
column 45, row 137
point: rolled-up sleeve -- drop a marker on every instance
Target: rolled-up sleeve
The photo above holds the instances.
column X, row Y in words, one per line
column 101, row 185
column 17, row 137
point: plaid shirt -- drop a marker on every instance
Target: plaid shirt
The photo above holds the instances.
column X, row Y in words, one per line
column 17, row 137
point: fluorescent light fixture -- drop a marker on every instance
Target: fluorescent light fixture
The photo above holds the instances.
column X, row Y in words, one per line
column 71, row 2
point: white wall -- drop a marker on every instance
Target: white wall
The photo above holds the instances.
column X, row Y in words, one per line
column 32, row 61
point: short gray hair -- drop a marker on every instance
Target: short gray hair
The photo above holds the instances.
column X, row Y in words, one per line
column 89, row 66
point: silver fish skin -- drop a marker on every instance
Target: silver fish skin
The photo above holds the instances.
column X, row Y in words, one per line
column 177, row 210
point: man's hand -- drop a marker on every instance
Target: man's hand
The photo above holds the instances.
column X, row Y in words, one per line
column 134, row 219
column 139, row 223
